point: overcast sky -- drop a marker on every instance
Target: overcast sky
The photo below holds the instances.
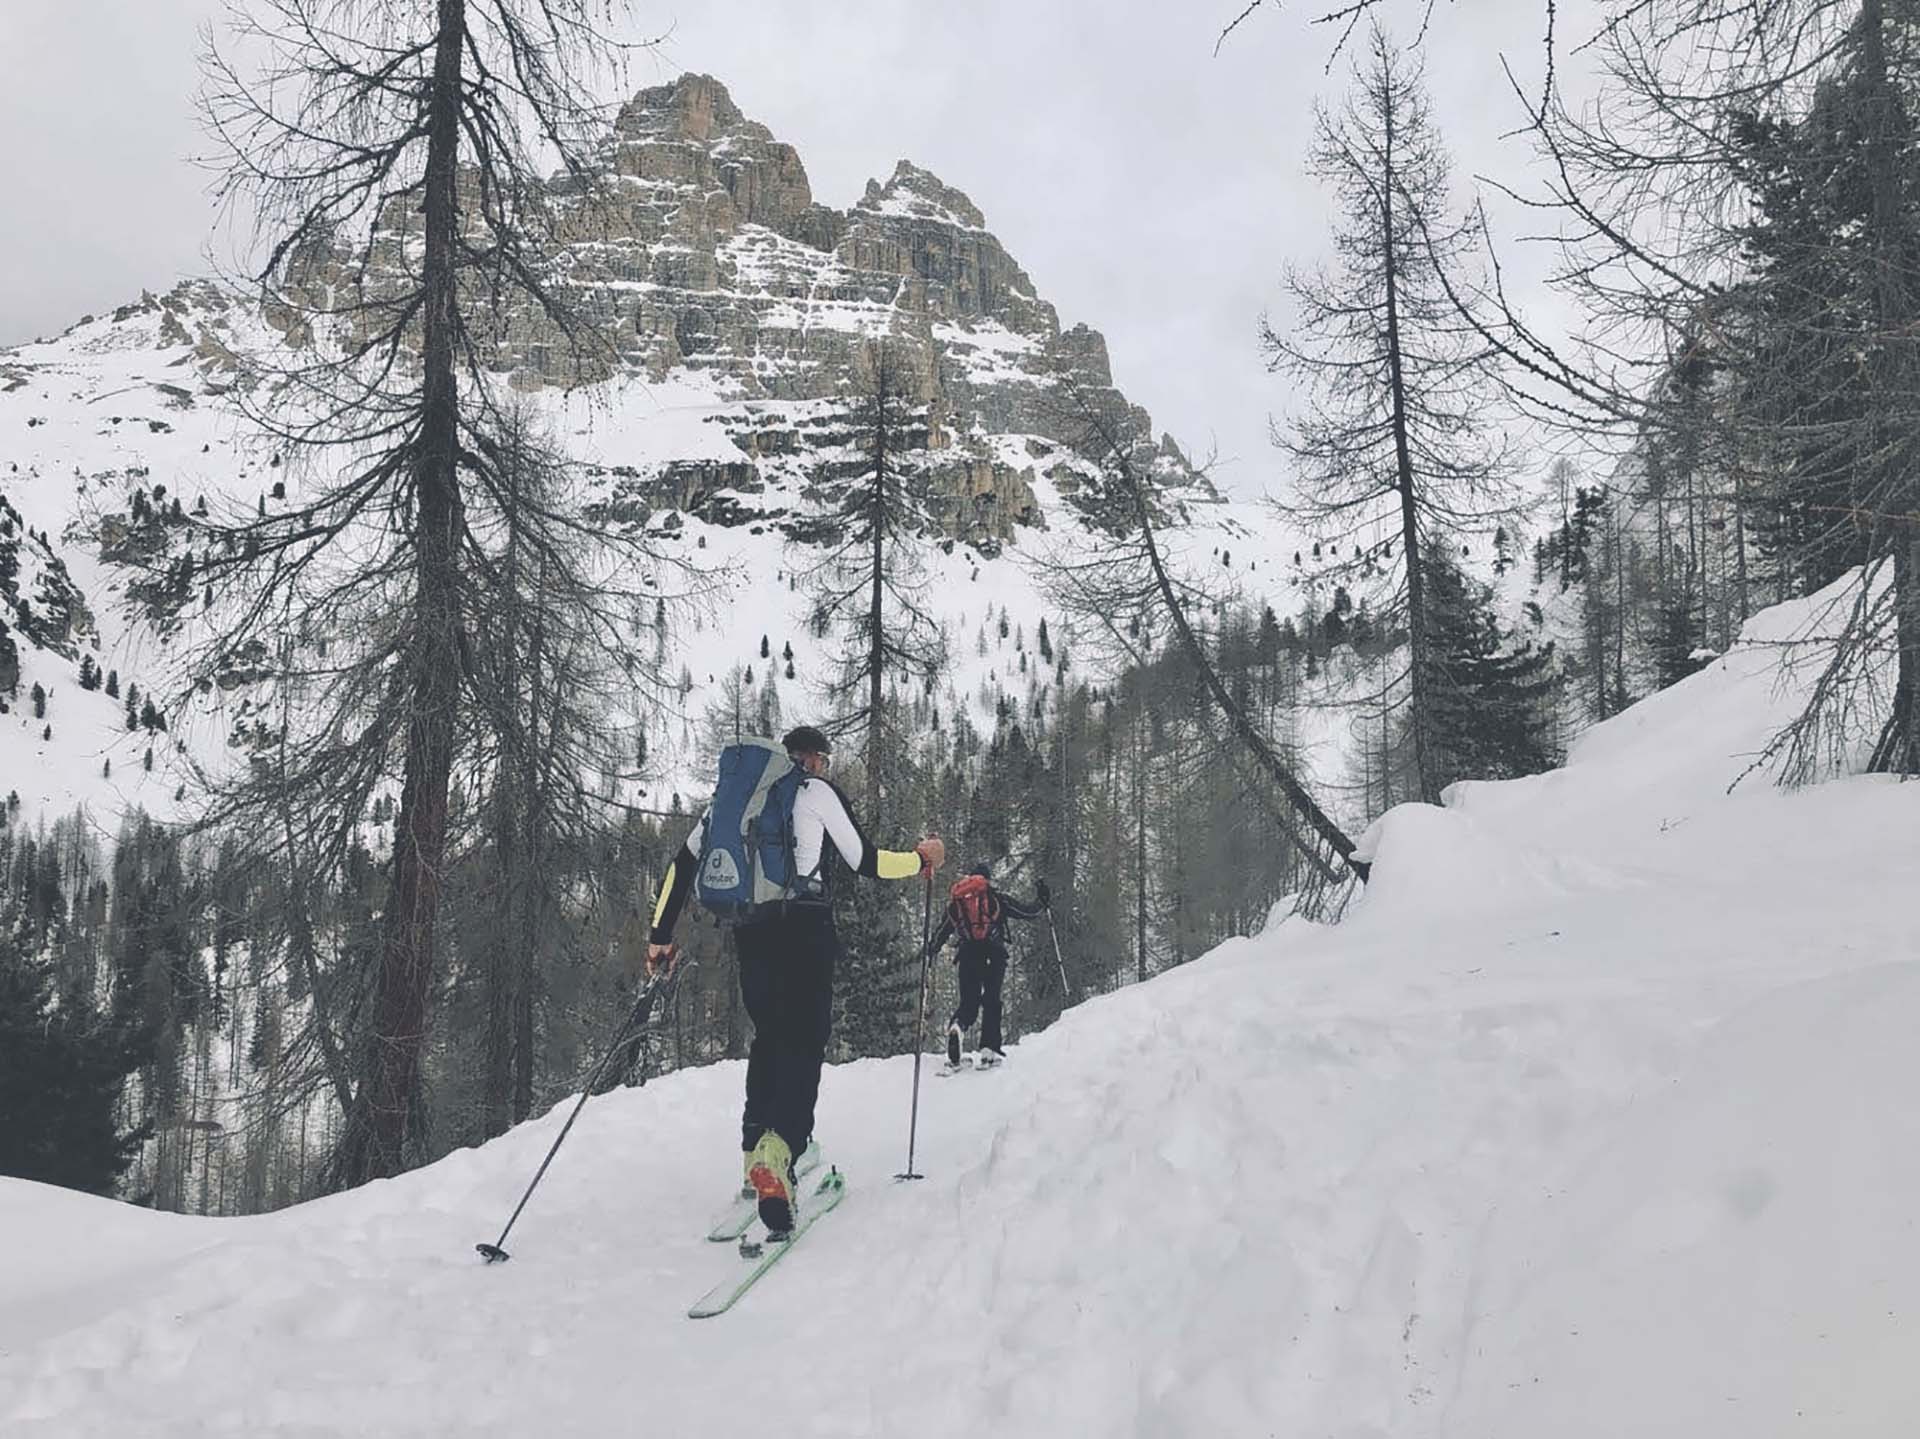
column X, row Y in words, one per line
column 1150, row 189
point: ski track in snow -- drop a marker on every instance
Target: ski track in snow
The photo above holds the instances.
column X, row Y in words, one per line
column 1593, row 1119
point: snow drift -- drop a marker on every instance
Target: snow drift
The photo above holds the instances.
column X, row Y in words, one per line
column 1594, row 1118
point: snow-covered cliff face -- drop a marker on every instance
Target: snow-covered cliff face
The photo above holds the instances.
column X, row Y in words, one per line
column 702, row 253
column 748, row 320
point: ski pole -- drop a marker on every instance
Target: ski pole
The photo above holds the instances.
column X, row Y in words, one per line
column 1065, row 989
column 920, row 1029
column 641, row 1008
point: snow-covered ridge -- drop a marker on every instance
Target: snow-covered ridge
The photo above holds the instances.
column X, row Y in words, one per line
column 115, row 436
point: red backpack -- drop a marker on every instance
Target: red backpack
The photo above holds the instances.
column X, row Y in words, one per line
column 973, row 907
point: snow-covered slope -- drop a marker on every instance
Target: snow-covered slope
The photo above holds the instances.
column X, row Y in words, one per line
column 98, row 430
column 1593, row 1119
column 110, row 408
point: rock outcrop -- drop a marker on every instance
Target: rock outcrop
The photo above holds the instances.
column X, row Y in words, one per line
column 699, row 248
column 695, row 246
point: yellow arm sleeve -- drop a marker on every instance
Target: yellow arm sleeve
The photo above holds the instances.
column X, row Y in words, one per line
column 896, row 863
column 674, row 889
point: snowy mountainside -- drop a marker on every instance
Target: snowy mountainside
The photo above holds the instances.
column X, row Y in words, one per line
column 747, row 311
column 119, row 405
column 1592, row 1119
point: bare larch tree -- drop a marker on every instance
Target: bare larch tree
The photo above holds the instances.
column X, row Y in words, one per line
column 868, row 585
column 1393, row 437
column 393, row 157
column 1746, row 193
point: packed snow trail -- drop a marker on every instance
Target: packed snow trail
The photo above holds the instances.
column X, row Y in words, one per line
column 1594, row 1118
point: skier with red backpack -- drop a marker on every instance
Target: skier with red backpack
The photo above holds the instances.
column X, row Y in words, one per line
column 978, row 913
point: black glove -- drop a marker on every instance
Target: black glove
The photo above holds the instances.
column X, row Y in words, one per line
column 1044, row 894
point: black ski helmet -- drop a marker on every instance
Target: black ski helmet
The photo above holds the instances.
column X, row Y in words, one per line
column 982, row 870
column 805, row 739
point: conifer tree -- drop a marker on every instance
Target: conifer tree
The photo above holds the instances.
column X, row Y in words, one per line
column 867, row 585
column 1748, row 195
column 1393, row 443
column 369, row 122
column 1492, row 699
column 63, row 1067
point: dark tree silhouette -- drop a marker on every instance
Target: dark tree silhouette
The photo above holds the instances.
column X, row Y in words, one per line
column 391, row 155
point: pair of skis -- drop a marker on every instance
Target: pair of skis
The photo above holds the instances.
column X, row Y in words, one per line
column 758, row 1255
column 969, row 1064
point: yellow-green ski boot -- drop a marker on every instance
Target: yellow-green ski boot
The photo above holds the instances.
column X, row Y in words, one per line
column 770, row 1172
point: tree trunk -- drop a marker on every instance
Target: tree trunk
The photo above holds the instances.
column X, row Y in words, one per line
column 497, row 1074
column 496, row 1102
column 1140, row 841
column 1417, row 701
column 1619, row 611
column 1696, row 582
column 1898, row 750
column 1743, row 600
column 876, row 612
column 374, row 1144
column 531, row 887
column 1256, row 744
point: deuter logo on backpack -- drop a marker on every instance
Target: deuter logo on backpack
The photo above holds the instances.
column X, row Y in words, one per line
column 748, row 840
column 720, row 872
column 974, row 908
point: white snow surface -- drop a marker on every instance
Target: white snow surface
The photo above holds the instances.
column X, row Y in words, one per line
column 1594, row 1118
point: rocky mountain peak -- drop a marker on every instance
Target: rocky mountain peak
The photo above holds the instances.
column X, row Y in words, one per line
column 922, row 195
column 695, row 108
column 698, row 164
column 715, row 263
column 704, row 252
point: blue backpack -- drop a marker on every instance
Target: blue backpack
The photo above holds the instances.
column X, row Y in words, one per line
column 747, row 859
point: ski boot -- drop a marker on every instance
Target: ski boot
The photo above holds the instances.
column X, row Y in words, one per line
column 809, row 1159
column 953, row 1046
column 984, row 1058
column 770, row 1174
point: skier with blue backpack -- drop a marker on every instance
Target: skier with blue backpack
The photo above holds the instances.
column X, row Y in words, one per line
column 759, row 859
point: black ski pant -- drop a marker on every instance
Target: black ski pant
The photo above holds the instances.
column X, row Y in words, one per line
column 983, row 969
column 786, row 982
